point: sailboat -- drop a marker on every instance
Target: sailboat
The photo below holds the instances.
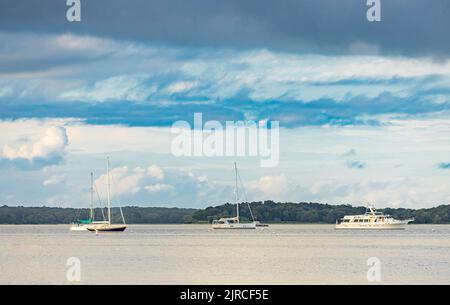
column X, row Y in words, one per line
column 234, row 222
column 84, row 224
column 107, row 226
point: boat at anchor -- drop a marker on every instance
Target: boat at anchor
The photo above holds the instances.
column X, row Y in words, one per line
column 372, row 220
column 234, row 222
column 107, row 226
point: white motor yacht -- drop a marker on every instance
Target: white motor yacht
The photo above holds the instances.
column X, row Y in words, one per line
column 372, row 220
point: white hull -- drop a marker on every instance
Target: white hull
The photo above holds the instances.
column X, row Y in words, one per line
column 394, row 225
column 399, row 226
column 234, row 226
column 78, row 228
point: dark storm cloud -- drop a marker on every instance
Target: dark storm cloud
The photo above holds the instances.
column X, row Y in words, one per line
column 413, row 27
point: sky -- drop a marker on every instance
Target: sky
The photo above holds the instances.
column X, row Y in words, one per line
column 363, row 107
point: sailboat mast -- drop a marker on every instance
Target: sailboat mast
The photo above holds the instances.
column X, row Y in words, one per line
column 92, row 195
column 109, row 191
column 236, row 190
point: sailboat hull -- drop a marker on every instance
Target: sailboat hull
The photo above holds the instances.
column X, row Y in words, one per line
column 108, row 228
column 235, row 226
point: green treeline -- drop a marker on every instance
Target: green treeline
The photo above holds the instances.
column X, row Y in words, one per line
column 272, row 212
column 268, row 211
column 137, row 215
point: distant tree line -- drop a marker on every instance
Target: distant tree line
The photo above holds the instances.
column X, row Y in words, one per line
column 303, row 212
column 267, row 211
column 137, row 215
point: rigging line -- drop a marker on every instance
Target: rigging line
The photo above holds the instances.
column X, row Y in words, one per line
column 117, row 200
column 78, row 215
column 100, row 201
column 245, row 196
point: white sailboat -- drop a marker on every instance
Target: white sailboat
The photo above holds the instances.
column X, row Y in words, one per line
column 84, row 224
column 107, row 226
column 234, row 222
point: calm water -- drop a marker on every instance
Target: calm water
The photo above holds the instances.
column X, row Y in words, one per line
column 195, row 254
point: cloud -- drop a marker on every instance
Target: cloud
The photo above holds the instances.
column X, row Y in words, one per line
column 163, row 84
column 297, row 26
column 351, row 163
column 158, row 186
column 5, row 91
column 269, row 185
column 444, row 165
column 54, row 180
column 349, row 153
column 156, row 171
column 393, row 192
column 127, row 87
column 360, row 110
column 356, row 164
column 182, row 86
column 144, row 84
column 312, row 167
column 54, row 50
column 124, row 70
column 47, row 150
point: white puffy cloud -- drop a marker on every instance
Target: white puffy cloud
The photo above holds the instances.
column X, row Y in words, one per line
column 126, row 181
column 159, row 187
column 269, row 185
column 47, row 150
column 156, row 171
column 54, row 180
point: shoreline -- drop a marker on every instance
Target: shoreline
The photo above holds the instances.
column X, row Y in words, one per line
column 205, row 224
